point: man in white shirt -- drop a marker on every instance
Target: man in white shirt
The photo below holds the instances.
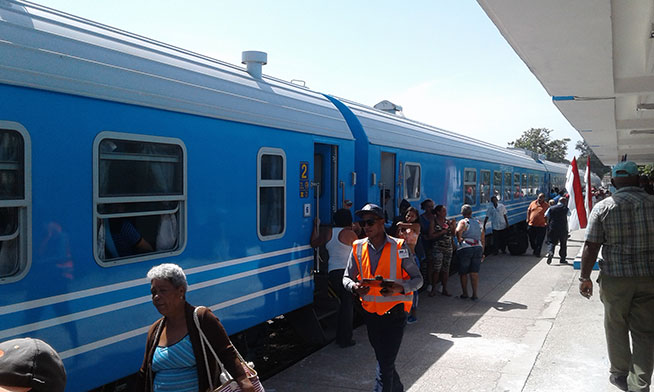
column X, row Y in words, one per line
column 497, row 214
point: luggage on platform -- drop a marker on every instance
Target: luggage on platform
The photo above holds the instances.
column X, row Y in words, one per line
column 518, row 241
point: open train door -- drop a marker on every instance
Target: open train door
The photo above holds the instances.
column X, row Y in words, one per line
column 387, row 194
column 315, row 323
column 325, row 169
column 325, row 191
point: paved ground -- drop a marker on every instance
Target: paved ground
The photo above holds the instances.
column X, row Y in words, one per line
column 529, row 331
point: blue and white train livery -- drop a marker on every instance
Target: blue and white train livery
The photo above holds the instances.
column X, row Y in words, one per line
column 220, row 170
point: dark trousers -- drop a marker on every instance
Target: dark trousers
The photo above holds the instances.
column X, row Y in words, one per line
column 344, row 326
column 561, row 238
column 628, row 304
column 500, row 239
column 536, row 238
column 385, row 335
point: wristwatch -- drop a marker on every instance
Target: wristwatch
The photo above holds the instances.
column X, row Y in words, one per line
column 584, row 279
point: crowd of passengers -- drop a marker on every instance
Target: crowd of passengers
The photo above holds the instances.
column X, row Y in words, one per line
column 435, row 242
column 432, row 240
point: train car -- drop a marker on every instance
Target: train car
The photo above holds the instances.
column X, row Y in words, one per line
column 405, row 159
column 218, row 168
column 555, row 176
column 213, row 167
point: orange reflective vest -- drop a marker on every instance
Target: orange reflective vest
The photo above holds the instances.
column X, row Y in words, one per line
column 390, row 267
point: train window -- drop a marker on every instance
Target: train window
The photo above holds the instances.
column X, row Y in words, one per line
column 524, row 191
column 14, row 202
column 485, row 187
column 497, row 184
column 411, row 181
column 470, row 186
column 507, row 186
column 516, row 184
column 532, row 186
column 139, row 197
column 271, row 193
column 536, row 184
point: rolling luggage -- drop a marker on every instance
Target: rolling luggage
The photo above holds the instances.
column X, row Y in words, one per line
column 518, row 241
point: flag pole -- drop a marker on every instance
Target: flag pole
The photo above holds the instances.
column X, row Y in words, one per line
column 589, row 193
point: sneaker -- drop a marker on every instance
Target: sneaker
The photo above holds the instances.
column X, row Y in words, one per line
column 619, row 381
column 549, row 258
column 411, row 320
column 563, row 261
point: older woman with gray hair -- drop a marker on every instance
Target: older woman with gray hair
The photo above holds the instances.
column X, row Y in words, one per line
column 174, row 360
column 470, row 252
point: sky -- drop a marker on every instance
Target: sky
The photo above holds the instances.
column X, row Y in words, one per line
column 443, row 61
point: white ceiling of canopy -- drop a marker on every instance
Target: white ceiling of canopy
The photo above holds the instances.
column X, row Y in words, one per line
column 596, row 59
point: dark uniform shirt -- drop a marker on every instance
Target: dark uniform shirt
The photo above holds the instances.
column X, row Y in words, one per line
column 557, row 221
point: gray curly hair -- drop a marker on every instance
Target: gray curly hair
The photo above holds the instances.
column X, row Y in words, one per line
column 170, row 272
column 466, row 210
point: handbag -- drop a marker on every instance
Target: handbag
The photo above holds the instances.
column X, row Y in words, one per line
column 228, row 383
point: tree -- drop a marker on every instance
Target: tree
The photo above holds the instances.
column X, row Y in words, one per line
column 539, row 141
column 647, row 170
column 596, row 166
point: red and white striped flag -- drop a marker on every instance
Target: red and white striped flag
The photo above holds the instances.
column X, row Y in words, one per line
column 577, row 218
column 589, row 192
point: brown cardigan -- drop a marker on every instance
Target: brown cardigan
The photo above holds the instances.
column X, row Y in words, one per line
column 216, row 334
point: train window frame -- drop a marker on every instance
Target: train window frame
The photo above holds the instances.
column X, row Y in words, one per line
column 99, row 218
column 497, row 190
column 467, row 183
column 516, row 184
column 524, row 185
column 507, row 187
column 536, row 184
column 23, row 205
column 532, row 186
column 271, row 183
column 405, row 186
column 485, row 181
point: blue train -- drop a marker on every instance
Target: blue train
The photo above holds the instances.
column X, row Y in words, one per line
column 220, row 169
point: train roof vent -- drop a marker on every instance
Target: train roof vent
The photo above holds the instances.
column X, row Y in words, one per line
column 533, row 155
column 389, row 107
column 254, row 61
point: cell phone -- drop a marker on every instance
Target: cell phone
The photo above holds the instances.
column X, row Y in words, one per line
column 377, row 282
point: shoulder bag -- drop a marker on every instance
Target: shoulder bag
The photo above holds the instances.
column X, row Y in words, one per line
column 229, row 384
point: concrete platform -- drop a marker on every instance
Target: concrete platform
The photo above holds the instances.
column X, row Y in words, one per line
column 531, row 330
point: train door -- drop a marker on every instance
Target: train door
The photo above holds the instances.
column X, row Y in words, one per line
column 387, row 184
column 325, row 178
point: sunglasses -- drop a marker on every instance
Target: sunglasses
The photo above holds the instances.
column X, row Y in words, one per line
column 368, row 222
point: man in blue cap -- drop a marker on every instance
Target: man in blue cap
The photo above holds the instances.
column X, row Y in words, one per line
column 623, row 225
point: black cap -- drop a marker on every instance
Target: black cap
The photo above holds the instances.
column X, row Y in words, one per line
column 370, row 209
column 31, row 363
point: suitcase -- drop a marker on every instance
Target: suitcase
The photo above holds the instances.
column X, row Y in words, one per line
column 518, row 241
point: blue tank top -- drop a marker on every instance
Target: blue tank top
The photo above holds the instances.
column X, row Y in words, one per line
column 174, row 367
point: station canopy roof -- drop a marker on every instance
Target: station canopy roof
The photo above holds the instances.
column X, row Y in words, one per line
column 596, row 59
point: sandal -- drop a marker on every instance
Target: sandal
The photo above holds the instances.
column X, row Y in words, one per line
column 474, row 298
column 432, row 293
column 463, row 296
column 445, row 293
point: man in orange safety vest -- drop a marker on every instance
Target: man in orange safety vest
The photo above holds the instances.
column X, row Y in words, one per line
column 382, row 272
